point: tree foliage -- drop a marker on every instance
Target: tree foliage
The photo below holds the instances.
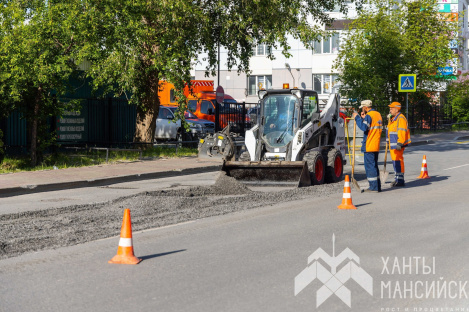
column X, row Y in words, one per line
column 391, row 38
column 458, row 96
column 38, row 53
column 132, row 45
column 135, row 44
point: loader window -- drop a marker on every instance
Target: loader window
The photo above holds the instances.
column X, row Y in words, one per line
column 280, row 119
column 310, row 106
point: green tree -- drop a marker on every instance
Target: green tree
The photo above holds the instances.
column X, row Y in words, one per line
column 38, row 54
column 458, row 97
column 135, row 44
column 391, row 38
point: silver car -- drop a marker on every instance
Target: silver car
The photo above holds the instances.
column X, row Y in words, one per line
column 169, row 129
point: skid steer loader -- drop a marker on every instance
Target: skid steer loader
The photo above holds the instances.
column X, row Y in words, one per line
column 292, row 143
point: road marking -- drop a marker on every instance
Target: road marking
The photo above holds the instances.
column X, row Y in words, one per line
column 456, row 167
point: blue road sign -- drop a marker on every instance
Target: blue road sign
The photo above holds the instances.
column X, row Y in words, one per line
column 408, row 83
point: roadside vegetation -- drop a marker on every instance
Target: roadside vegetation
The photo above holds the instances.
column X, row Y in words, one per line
column 89, row 157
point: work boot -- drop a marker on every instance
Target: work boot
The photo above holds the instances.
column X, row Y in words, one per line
column 397, row 184
column 369, row 191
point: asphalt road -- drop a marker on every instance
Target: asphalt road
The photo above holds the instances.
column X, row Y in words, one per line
column 248, row 261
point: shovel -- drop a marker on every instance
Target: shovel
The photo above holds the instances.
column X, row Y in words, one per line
column 354, row 182
column 383, row 174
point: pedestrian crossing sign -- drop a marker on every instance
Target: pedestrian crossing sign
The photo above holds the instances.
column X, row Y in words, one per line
column 408, row 83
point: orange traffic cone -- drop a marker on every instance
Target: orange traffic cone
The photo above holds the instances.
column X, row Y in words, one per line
column 125, row 251
column 347, row 198
column 424, row 171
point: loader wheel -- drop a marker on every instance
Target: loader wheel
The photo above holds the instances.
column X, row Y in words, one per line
column 335, row 166
column 316, row 167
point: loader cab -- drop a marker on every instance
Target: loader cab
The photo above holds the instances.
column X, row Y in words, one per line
column 280, row 115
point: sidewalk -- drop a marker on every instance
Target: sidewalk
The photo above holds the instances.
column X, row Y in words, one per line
column 49, row 180
column 27, row 182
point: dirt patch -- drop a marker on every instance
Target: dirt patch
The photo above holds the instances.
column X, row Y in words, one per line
column 58, row 227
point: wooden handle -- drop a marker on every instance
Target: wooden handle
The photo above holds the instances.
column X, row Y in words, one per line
column 353, row 148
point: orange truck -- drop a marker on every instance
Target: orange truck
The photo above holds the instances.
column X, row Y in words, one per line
column 202, row 102
column 168, row 98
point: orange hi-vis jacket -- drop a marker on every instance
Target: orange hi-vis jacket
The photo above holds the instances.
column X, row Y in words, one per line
column 398, row 132
column 372, row 126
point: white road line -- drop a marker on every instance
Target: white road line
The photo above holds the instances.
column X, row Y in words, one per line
column 456, row 167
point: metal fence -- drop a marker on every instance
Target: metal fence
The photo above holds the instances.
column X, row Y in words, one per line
column 424, row 116
column 111, row 122
column 233, row 114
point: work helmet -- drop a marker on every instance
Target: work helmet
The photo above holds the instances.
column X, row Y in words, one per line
column 395, row 105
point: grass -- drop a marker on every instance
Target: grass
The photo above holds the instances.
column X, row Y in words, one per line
column 88, row 157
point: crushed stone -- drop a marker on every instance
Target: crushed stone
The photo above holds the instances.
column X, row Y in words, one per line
column 59, row 227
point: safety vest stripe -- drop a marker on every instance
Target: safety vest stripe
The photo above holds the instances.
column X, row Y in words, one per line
column 372, row 179
column 376, row 127
column 393, row 132
column 401, row 129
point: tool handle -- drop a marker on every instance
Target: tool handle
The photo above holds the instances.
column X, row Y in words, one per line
column 353, row 148
column 385, row 155
column 387, row 144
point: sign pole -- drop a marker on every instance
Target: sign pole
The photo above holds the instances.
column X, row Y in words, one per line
column 407, row 105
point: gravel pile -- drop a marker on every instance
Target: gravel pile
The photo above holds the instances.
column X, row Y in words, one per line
column 58, row 227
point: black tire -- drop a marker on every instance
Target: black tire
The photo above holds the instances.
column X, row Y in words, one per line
column 316, row 167
column 335, row 166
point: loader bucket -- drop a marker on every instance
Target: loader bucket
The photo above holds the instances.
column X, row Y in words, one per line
column 278, row 173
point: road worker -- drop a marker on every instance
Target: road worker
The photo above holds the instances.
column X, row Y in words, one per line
column 371, row 123
column 399, row 138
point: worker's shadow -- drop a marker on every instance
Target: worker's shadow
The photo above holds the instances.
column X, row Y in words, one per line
column 416, row 183
column 423, row 182
column 161, row 254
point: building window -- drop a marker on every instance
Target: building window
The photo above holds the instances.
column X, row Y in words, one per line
column 257, row 82
column 261, row 49
column 325, row 83
column 327, row 45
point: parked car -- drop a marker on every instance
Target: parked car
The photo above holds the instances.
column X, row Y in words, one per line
column 168, row 129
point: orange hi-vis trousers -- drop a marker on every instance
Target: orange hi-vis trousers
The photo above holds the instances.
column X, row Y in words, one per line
column 398, row 164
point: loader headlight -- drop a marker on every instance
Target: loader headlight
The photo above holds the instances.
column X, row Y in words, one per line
column 296, row 93
column 261, row 94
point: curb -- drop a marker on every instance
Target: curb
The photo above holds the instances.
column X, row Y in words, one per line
column 30, row 189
